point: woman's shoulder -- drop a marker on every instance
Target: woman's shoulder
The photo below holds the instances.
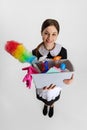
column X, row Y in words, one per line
column 62, row 50
column 36, row 51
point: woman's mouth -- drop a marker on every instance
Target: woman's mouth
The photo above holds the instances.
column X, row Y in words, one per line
column 48, row 41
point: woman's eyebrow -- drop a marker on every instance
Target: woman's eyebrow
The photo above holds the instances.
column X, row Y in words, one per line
column 48, row 31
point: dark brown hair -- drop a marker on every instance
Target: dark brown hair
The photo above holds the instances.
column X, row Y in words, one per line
column 50, row 22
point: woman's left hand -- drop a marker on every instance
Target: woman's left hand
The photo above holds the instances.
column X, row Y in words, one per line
column 68, row 81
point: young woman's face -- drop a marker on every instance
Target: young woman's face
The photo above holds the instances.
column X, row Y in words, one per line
column 49, row 35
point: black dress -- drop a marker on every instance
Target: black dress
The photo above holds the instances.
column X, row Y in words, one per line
column 58, row 50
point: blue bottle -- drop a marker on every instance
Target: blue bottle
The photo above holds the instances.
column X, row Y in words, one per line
column 62, row 66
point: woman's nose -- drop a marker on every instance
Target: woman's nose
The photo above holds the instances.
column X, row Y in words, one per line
column 49, row 36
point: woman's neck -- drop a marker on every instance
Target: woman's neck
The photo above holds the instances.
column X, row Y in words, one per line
column 49, row 48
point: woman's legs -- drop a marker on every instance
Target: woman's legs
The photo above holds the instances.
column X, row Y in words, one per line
column 45, row 110
column 51, row 110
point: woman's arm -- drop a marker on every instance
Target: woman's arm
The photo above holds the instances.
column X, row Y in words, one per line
column 68, row 81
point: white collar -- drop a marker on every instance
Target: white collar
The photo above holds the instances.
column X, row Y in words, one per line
column 54, row 52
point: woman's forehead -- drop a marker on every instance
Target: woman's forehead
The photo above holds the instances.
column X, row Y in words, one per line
column 51, row 29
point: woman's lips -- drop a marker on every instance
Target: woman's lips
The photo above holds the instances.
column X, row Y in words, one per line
column 48, row 41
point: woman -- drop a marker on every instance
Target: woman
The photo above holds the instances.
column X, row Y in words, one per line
column 49, row 48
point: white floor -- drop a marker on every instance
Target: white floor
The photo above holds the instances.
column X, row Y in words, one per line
column 19, row 108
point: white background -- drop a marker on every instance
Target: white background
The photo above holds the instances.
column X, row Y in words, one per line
column 21, row 20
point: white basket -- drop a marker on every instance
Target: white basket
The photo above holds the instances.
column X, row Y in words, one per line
column 45, row 79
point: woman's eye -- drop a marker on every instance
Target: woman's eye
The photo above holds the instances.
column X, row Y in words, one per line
column 46, row 33
column 54, row 34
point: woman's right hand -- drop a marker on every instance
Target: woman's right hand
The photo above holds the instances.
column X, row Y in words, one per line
column 51, row 86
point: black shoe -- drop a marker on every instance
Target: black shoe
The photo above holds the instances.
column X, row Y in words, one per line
column 45, row 110
column 51, row 111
